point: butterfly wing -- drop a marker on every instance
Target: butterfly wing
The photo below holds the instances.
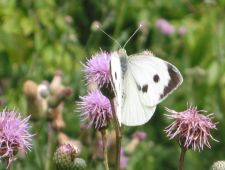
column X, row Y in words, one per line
column 116, row 81
column 134, row 113
column 155, row 78
column 148, row 81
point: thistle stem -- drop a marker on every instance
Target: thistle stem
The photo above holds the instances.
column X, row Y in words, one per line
column 7, row 164
column 49, row 146
column 181, row 160
column 118, row 135
column 105, row 152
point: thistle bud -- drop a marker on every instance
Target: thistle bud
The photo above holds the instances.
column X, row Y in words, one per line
column 64, row 157
column 36, row 104
column 80, row 164
column 30, row 89
column 218, row 165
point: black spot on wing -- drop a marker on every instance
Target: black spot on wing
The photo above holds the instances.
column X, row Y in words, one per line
column 145, row 88
column 173, row 82
column 156, row 78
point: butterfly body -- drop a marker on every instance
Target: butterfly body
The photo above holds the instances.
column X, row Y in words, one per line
column 140, row 82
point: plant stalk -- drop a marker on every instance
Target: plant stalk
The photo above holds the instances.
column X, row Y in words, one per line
column 49, row 146
column 118, row 135
column 105, row 151
column 7, row 164
column 181, row 160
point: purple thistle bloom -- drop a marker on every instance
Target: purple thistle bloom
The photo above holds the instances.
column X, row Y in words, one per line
column 165, row 27
column 97, row 69
column 14, row 134
column 96, row 108
column 190, row 128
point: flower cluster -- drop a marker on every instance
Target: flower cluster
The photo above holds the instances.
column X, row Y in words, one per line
column 95, row 106
column 190, row 128
column 14, row 134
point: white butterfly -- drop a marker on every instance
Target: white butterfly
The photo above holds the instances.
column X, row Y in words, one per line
column 140, row 82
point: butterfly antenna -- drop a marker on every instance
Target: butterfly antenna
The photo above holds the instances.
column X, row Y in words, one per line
column 108, row 36
column 133, row 34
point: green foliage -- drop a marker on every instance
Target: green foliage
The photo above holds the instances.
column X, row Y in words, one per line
column 39, row 37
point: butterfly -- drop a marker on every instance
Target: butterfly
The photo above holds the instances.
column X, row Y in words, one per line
column 140, row 82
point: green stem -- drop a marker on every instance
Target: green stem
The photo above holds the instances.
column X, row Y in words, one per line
column 181, row 160
column 118, row 135
column 7, row 164
column 49, row 146
column 104, row 143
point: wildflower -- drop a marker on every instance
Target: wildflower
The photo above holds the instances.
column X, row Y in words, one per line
column 182, row 30
column 165, row 27
column 96, row 108
column 97, row 69
column 190, row 128
column 14, row 135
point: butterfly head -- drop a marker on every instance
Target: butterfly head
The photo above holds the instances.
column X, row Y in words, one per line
column 122, row 52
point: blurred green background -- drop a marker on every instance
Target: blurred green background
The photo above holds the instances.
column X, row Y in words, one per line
column 38, row 37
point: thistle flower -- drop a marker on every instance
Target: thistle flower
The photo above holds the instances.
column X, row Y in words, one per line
column 190, row 128
column 97, row 69
column 96, row 108
column 14, row 134
column 165, row 27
